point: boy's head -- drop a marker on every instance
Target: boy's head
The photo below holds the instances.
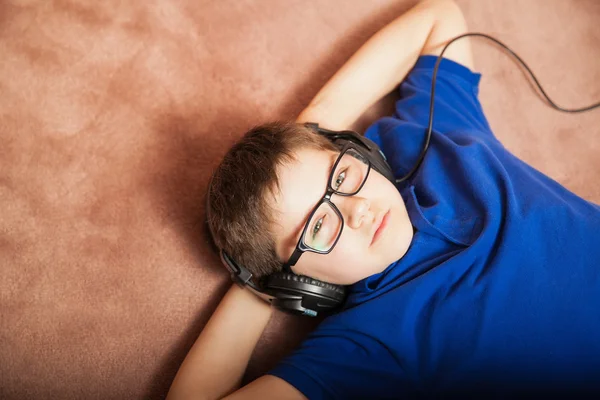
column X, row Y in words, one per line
column 267, row 185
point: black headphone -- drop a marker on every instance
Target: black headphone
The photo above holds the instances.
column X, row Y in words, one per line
column 298, row 294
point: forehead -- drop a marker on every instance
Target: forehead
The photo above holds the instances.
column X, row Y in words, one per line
column 302, row 182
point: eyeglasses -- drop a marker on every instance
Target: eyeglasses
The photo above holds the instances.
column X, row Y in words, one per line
column 325, row 223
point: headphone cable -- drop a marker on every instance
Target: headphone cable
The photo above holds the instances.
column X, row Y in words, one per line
column 435, row 70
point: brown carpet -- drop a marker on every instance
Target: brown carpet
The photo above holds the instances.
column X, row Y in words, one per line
column 114, row 113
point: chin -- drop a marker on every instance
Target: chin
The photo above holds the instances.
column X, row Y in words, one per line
column 405, row 238
column 398, row 247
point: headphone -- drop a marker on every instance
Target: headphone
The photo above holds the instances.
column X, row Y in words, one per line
column 299, row 294
column 303, row 295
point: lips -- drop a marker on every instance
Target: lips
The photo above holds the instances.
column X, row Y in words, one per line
column 380, row 227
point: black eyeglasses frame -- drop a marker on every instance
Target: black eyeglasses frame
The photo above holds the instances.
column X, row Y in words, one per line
column 301, row 246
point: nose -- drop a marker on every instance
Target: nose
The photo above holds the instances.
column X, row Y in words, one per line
column 355, row 210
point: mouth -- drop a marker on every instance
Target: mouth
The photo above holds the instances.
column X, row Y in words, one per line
column 381, row 224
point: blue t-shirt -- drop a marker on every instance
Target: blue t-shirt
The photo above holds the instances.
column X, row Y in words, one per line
column 500, row 288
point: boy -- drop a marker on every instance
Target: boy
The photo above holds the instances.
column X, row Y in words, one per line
column 478, row 274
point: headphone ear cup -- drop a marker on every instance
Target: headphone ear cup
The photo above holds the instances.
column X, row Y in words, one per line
column 374, row 154
column 300, row 294
column 379, row 163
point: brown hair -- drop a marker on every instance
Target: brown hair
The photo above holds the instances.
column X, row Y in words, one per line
column 240, row 215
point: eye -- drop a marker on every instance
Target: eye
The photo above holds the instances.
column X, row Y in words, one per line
column 340, row 179
column 317, row 226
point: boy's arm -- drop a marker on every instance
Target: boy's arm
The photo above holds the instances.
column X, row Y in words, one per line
column 216, row 363
column 385, row 60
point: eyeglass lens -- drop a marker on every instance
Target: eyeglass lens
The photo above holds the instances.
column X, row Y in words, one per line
column 325, row 225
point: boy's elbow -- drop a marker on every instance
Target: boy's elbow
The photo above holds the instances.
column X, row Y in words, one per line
column 449, row 23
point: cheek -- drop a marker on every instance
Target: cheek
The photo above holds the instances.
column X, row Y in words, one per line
column 348, row 255
column 343, row 258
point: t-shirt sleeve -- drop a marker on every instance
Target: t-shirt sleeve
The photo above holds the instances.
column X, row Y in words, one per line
column 456, row 105
column 457, row 112
column 342, row 365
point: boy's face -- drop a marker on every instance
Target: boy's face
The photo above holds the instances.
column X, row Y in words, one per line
column 356, row 255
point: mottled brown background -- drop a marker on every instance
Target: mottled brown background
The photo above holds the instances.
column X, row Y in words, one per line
column 113, row 114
